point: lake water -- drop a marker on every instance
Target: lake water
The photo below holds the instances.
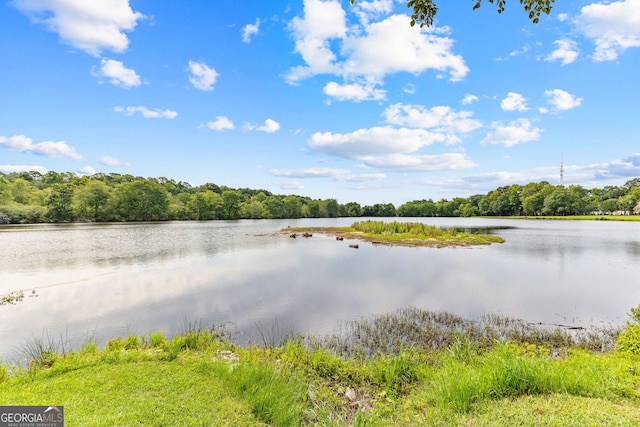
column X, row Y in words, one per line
column 108, row 280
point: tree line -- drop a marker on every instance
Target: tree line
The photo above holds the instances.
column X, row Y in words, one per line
column 33, row 197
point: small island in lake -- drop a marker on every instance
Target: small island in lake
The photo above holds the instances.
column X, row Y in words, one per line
column 398, row 233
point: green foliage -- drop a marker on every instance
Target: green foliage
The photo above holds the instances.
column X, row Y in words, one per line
column 274, row 397
column 509, row 371
column 4, row 374
column 629, row 339
column 396, row 373
column 31, row 197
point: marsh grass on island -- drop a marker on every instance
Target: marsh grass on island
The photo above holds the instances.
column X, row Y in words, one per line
column 411, row 234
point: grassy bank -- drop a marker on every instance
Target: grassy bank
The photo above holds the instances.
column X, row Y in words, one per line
column 537, row 376
column 578, row 217
column 401, row 234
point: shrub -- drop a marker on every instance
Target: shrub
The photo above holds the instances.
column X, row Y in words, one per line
column 629, row 339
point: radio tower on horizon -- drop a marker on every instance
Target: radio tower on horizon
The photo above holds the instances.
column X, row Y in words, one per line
column 561, row 172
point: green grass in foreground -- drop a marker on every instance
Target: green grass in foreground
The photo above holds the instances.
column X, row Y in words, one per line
column 200, row 379
column 403, row 233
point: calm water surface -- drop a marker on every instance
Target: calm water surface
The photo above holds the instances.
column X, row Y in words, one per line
column 107, row 280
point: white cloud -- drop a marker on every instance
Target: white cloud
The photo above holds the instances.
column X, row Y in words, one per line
column 221, row 123
column 47, row 148
column 87, row 170
column 374, row 141
column 322, row 22
column 511, row 134
column 514, row 102
column 291, row 185
column 111, row 161
column 310, row 172
column 469, row 99
column 368, row 51
column 389, row 148
column 562, row 17
column 392, row 46
column 250, row 30
column 92, row 26
column 23, row 168
column 421, row 163
column 566, row 52
column 354, row 92
column 270, row 126
column 342, row 175
column 117, row 74
column 367, row 10
column 562, row 100
column 146, row 113
column 440, row 118
column 202, row 76
column 410, row 89
column 614, row 27
column 629, row 167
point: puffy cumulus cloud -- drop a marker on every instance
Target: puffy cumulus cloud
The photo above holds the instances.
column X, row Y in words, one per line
column 87, row 170
column 439, row 118
column 202, row 76
column 566, row 52
column 111, row 161
column 614, row 27
column 562, row 100
column 374, row 141
column 389, row 148
column 250, row 30
column 269, row 126
column 354, row 92
column 92, row 26
column 323, row 21
column 628, row 167
column 24, row 144
column 514, row 102
column 117, row 73
column 146, row 113
column 221, row 123
column 23, row 168
column 469, row 99
column 392, row 46
column 513, row 133
column 368, row 51
column 344, row 175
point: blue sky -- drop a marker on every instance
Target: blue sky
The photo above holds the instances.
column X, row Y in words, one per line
column 322, row 98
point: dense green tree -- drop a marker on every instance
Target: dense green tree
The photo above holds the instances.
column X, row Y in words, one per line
column 332, row 208
column 59, row 203
column 292, row 207
column 205, row 205
column 316, row 209
column 92, row 200
column 230, row 204
column 142, row 200
column 351, row 209
column 379, row 210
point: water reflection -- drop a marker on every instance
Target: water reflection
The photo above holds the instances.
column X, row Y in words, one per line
column 138, row 278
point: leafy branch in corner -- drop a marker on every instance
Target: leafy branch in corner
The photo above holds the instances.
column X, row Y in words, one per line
column 424, row 11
